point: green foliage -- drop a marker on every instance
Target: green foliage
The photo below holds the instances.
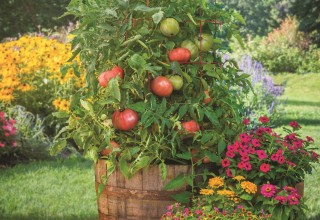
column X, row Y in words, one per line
column 285, row 49
column 261, row 16
column 22, row 16
column 307, row 12
column 126, row 33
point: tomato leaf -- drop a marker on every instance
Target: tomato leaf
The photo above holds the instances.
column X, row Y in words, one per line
column 186, row 155
column 138, row 106
column 175, row 183
column 183, row 110
column 114, row 88
column 183, row 197
column 221, row 146
column 157, row 17
column 163, row 170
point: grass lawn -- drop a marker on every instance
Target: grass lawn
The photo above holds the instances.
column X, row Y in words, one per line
column 48, row 190
column 303, row 105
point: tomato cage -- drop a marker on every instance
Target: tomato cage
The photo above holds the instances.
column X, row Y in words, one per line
column 200, row 61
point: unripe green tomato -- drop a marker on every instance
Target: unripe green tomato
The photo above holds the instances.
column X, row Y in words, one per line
column 192, row 47
column 169, row 27
column 103, row 116
column 176, row 81
column 206, row 42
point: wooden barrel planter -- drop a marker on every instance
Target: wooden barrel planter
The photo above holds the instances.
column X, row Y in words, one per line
column 141, row 197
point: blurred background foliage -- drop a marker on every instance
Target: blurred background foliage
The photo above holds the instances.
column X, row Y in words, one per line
column 22, row 16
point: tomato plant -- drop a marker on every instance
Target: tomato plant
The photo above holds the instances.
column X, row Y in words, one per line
column 149, row 42
column 106, row 151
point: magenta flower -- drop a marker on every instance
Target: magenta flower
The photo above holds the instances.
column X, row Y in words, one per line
column 225, row 162
column 268, row 190
column 264, row 167
column 281, row 199
column 255, row 142
column 230, row 154
column 264, row 119
column 309, row 139
column 294, row 124
column 246, row 121
column 293, row 199
column 261, row 154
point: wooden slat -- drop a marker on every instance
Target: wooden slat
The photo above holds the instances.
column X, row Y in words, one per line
column 141, row 197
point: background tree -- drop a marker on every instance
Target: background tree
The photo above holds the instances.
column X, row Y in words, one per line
column 21, row 16
column 308, row 14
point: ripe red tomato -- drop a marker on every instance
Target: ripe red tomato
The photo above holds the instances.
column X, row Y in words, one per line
column 106, row 151
column 180, row 54
column 208, row 98
column 119, row 71
column 125, row 120
column 191, row 126
column 108, row 75
column 161, row 86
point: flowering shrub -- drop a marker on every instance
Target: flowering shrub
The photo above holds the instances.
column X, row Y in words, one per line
column 263, row 156
column 7, row 134
column 221, row 199
column 35, row 73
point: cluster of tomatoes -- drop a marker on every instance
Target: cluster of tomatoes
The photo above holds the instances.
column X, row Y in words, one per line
column 161, row 86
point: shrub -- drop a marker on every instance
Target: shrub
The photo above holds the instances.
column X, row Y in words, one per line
column 285, row 49
column 30, row 74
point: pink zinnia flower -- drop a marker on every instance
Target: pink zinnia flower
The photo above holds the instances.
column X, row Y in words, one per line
column 225, row 162
column 268, row 190
column 255, row 142
column 294, row 124
column 2, row 144
column 243, row 152
column 246, row 121
column 261, row 154
column 244, row 137
column 281, row 199
column 259, row 131
column 293, row 199
column 264, row 119
column 265, row 167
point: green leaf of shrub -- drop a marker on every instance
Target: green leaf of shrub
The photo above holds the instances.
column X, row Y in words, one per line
column 183, row 197
column 175, row 183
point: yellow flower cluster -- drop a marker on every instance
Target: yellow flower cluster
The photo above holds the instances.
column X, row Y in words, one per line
column 216, row 182
column 22, row 59
column 226, row 192
column 238, row 178
column 249, row 187
column 206, row 192
column 61, row 104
